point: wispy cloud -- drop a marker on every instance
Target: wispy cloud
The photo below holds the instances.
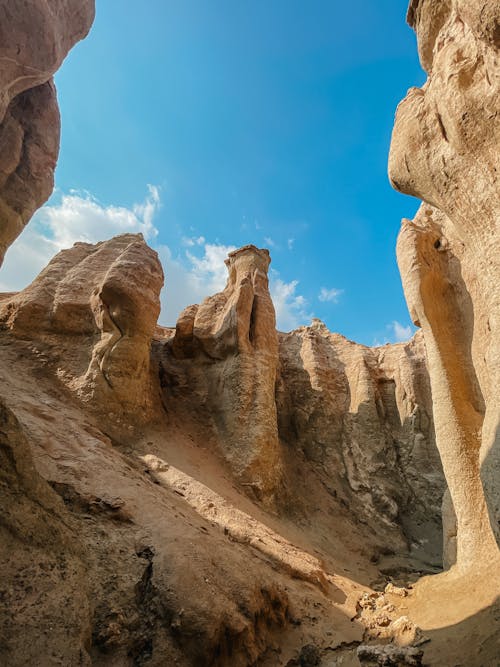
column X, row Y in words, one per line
column 290, row 243
column 331, row 294
column 191, row 241
column 291, row 308
column 77, row 217
column 397, row 333
column 401, row 333
column 195, row 272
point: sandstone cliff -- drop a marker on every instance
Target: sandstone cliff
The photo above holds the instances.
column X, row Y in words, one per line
column 445, row 151
column 35, row 37
column 219, row 480
column 222, row 494
column 360, row 418
column 363, row 418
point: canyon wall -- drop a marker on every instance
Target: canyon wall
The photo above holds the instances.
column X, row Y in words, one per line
column 362, row 417
column 220, row 481
column 223, row 493
column 445, row 151
column 359, row 418
column 35, row 37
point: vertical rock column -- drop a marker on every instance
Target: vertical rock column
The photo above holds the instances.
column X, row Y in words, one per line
column 445, row 150
column 436, row 296
column 236, row 330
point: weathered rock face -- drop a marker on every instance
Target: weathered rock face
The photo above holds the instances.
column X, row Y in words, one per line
column 445, row 151
column 35, row 37
column 360, row 418
column 227, row 351
column 40, row 557
column 96, row 307
column 363, row 418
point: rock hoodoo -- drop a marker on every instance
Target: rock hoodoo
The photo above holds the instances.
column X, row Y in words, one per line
column 445, row 151
column 228, row 350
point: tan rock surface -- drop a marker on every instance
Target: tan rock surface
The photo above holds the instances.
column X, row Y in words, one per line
column 228, row 352
column 126, row 535
column 168, row 557
column 445, row 151
column 363, row 418
column 35, row 37
column 95, row 308
column 172, row 565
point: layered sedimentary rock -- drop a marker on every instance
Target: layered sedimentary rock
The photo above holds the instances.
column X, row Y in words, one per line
column 227, row 350
column 35, row 37
column 445, row 151
column 95, row 308
column 363, row 418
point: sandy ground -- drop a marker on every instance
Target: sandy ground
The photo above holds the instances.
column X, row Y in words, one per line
column 220, row 558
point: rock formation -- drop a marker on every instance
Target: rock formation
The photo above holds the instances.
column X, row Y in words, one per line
column 228, row 346
column 224, row 495
column 138, row 505
column 363, row 417
column 445, row 151
column 95, row 309
column 360, row 417
column 34, row 40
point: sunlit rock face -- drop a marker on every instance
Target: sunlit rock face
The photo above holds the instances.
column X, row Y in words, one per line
column 228, row 346
column 358, row 418
column 35, row 37
column 445, row 151
column 95, row 307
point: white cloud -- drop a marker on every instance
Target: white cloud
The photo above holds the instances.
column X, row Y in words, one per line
column 209, row 272
column 290, row 243
column 190, row 242
column 401, row 333
column 332, row 294
column 78, row 217
column 269, row 242
column 190, row 276
column 291, row 308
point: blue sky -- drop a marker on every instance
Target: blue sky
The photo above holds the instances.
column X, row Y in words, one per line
column 215, row 124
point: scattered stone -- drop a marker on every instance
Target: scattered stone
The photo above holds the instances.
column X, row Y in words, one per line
column 373, row 655
column 395, row 590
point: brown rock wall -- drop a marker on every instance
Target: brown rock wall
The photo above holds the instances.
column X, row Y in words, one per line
column 363, row 417
column 445, row 151
column 35, row 37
